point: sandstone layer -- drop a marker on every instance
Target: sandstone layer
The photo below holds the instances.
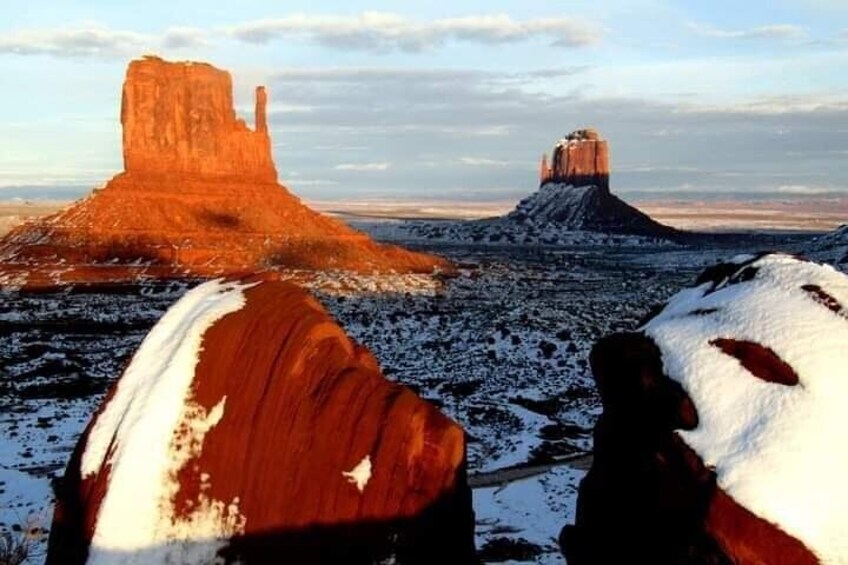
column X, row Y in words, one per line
column 248, row 427
column 199, row 196
column 580, row 159
column 721, row 434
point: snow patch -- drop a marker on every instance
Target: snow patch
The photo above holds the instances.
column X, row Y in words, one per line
column 149, row 430
column 359, row 475
column 777, row 450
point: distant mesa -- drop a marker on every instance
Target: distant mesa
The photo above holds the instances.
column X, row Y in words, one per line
column 248, row 428
column 573, row 206
column 198, row 196
column 574, row 192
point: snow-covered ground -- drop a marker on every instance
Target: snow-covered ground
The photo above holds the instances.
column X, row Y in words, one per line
column 502, row 348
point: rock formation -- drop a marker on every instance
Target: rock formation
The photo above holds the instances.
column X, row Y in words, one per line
column 581, row 158
column 198, row 196
column 178, row 119
column 249, row 427
column 574, row 193
column 722, row 433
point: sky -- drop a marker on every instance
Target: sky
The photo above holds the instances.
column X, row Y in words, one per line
column 402, row 100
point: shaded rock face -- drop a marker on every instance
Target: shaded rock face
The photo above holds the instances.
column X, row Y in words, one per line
column 194, row 129
column 580, row 159
column 587, row 208
column 199, row 197
column 719, row 438
column 249, row 428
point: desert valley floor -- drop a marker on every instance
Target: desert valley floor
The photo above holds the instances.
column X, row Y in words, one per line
column 502, row 347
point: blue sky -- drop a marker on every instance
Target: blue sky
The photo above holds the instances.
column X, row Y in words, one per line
column 406, row 100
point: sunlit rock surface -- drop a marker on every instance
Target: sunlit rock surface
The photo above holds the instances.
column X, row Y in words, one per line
column 248, row 427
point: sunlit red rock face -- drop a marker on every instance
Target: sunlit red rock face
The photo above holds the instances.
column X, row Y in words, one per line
column 580, row 159
column 179, row 118
column 248, row 426
column 723, row 430
column 199, row 196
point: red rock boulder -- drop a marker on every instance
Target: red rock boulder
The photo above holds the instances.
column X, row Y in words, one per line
column 249, row 428
column 723, row 430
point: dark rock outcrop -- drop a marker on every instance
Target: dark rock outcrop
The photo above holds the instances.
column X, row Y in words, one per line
column 719, row 440
column 198, row 197
column 249, row 428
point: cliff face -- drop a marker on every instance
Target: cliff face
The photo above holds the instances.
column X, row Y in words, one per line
column 179, row 118
column 248, row 425
column 580, row 159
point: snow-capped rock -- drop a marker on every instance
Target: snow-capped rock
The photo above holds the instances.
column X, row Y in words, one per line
column 248, row 424
column 724, row 424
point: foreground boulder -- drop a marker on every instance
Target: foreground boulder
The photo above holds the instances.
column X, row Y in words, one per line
column 723, row 434
column 249, row 428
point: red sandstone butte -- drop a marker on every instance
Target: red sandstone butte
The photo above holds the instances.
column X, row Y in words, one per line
column 580, row 159
column 276, row 417
column 198, row 196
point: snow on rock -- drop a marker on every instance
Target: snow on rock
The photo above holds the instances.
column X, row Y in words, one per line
column 775, row 441
column 733, row 397
column 360, row 475
column 590, row 208
column 228, row 435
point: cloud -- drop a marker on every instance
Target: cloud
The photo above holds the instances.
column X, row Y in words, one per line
column 183, row 37
column 459, row 133
column 362, row 167
column 97, row 41
column 80, row 42
column 773, row 31
column 482, row 162
column 385, row 32
column 803, row 189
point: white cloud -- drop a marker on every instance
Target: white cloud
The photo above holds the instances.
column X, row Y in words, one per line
column 362, row 167
column 94, row 40
column 803, row 189
column 79, row 42
column 482, row 162
column 773, row 31
column 383, row 32
column 181, row 37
